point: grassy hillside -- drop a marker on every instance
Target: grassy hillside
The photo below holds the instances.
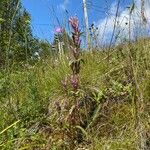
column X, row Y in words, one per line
column 109, row 110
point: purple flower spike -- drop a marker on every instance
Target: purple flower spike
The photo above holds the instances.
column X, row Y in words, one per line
column 74, row 23
column 75, row 49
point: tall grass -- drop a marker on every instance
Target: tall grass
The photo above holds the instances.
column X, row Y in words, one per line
column 29, row 94
column 109, row 110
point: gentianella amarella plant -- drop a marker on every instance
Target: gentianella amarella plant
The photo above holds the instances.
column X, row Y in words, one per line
column 70, row 109
column 75, row 51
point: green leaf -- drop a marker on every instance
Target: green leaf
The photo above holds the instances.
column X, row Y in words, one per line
column 95, row 116
column 9, row 127
column 83, row 130
column 27, row 21
column 1, row 20
column 81, row 33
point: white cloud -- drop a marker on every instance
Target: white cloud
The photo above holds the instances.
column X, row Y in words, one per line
column 63, row 5
column 106, row 25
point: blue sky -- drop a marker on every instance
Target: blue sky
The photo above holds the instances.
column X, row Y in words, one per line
column 48, row 14
column 44, row 13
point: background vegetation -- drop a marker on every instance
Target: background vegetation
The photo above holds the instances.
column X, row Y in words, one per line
column 41, row 108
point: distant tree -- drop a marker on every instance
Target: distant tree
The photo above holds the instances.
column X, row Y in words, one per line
column 45, row 49
column 8, row 12
column 24, row 48
column 16, row 40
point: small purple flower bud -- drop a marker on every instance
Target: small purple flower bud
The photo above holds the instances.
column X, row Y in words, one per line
column 75, row 81
column 58, row 30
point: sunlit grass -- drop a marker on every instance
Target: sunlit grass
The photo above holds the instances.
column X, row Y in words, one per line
column 28, row 114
